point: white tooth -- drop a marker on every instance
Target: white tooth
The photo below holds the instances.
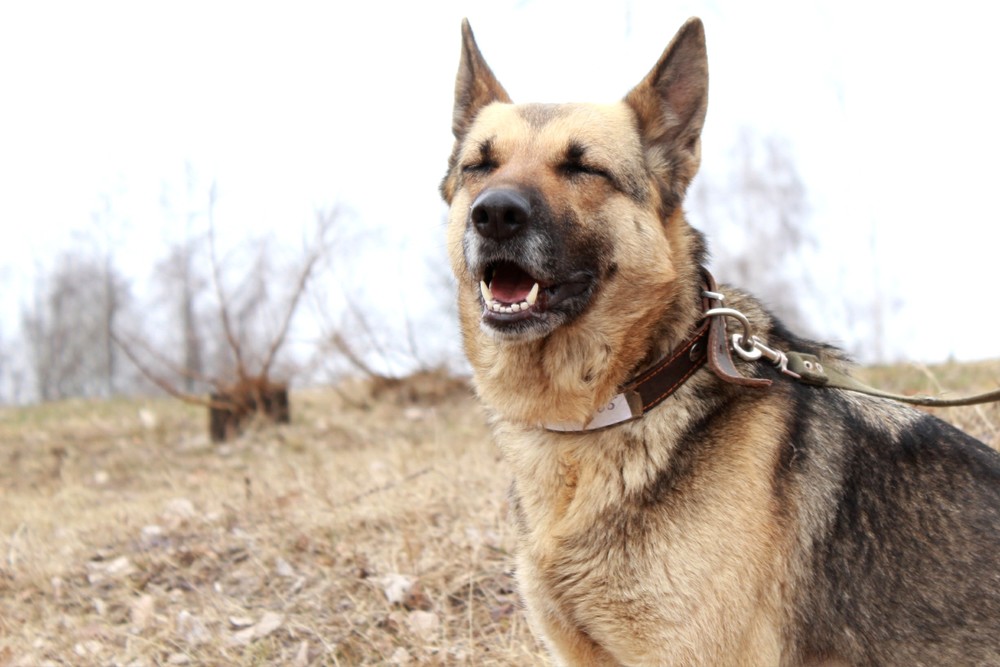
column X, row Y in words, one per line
column 516, row 307
column 495, row 306
column 508, row 309
column 487, row 294
column 532, row 295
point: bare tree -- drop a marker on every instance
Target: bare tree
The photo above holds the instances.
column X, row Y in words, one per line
column 68, row 327
column 235, row 352
column 7, row 391
column 408, row 337
column 756, row 217
column 180, row 282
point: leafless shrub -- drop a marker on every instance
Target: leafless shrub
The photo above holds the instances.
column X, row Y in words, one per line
column 68, row 327
column 236, row 352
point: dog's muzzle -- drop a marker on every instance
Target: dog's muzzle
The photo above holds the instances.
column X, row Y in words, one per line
column 526, row 289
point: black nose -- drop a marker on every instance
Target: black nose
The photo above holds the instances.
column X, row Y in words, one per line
column 500, row 213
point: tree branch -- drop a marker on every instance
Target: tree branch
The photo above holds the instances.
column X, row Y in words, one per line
column 163, row 383
column 220, row 292
column 324, row 223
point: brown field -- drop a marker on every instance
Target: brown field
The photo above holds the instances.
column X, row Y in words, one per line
column 371, row 531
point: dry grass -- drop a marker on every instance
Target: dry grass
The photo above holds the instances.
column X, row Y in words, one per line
column 371, row 531
column 129, row 542
column 949, row 380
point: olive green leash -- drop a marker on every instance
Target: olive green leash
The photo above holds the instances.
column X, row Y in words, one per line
column 809, row 369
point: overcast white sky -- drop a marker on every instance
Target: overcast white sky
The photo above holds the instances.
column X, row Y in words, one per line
column 891, row 110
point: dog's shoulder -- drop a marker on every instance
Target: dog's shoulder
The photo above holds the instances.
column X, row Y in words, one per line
column 902, row 512
column 896, row 509
column 871, row 447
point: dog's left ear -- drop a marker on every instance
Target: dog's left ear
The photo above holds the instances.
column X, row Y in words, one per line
column 670, row 105
column 475, row 85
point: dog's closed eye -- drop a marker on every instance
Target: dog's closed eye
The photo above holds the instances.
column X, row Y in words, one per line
column 479, row 167
column 574, row 164
column 572, row 169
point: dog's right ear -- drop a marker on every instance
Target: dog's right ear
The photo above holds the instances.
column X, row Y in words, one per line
column 670, row 105
column 475, row 85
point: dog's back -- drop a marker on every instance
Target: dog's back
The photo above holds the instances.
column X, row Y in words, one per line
column 899, row 514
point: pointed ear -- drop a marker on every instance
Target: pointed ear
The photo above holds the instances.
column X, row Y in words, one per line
column 670, row 105
column 475, row 85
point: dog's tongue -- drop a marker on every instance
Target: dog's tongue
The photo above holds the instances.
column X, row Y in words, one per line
column 510, row 284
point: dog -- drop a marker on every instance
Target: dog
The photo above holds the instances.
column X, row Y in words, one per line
column 724, row 513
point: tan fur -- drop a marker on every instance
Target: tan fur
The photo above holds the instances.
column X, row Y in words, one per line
column 608, row 342
column 582, row 364
column 592, row 607
column 570, row 484
column 689, row 536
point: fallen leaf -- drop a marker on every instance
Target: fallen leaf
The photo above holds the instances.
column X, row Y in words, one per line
column 58, row 588
column 141, row 613
column 148, row 419
column 284, row 568
column 302, row 655
column 100, row 571
column 268, row 623
column 242, row 638
column 424, row 624
column 395, row 586
column 192, row 629
column 88, row 648
column 502, row 611
column 177, row 512
column 153, row 536
column 415, row 598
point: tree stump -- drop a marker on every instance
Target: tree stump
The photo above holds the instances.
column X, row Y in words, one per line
column 235, row 406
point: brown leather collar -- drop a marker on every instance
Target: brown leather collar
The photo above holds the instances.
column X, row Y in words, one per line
column 709, row 343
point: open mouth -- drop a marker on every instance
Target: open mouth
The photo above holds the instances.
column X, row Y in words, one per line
column 507, row 289
column 511, row 294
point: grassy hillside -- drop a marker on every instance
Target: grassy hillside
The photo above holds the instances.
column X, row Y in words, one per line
column 371, row 531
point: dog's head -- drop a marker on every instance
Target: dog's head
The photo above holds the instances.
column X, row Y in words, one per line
column 561, row 214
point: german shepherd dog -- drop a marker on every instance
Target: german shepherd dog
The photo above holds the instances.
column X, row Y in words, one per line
column 732, row 524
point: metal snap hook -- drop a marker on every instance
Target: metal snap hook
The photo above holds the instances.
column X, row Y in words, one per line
column 746, row 339
column 749, row 353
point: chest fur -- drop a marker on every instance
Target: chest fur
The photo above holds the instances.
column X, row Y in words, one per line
column 631, row 543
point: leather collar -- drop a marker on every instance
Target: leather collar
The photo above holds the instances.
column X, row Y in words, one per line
column 708, row 344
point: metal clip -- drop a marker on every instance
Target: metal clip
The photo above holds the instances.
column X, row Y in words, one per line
column 748, row 346
column 757, row 349
column 714, row 296
column 747, row 334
